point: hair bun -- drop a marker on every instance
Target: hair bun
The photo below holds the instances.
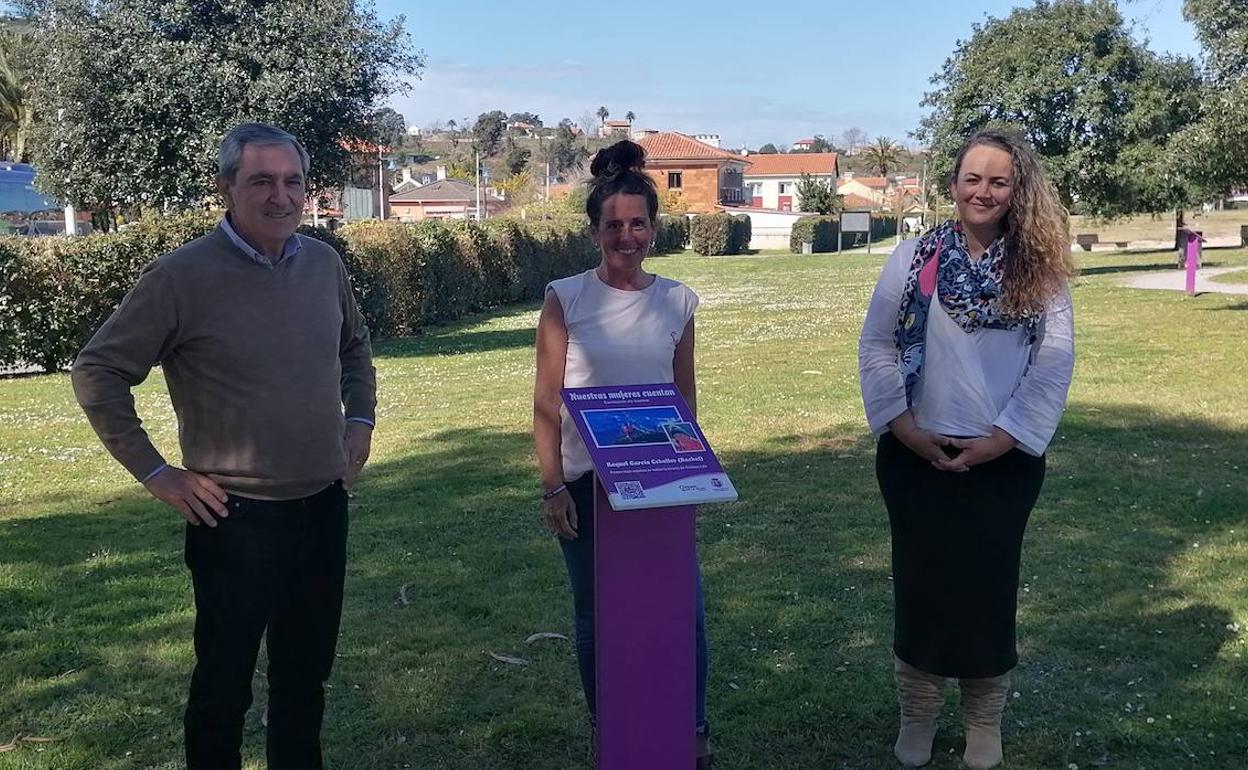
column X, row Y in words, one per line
column 620, row 157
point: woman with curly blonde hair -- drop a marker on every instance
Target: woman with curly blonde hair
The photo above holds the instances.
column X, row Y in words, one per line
column 965, row 393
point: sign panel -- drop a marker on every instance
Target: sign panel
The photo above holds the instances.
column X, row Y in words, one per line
column 856, row 222
column 646, row 447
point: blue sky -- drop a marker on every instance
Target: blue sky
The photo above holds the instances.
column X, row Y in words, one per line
column 752, row 72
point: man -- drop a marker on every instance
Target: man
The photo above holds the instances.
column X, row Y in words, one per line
column 262, row 347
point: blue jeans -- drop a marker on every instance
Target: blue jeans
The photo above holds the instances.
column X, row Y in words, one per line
column 578, row 555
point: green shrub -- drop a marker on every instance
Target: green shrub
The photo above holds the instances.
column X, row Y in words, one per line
column 742, row 231
column 672, row 233
column 711, row 234
column 820, row 231
column 56, row 291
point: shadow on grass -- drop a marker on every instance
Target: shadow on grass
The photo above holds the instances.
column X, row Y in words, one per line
column 462, row 337
column 449, row 563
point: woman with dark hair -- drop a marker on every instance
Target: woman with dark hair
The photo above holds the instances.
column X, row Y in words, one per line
column 613, row 325
column 965, row 360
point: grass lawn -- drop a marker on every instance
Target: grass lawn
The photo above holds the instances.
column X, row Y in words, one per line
column 1133, row 624
column 1239, row 276
column 1146, row 227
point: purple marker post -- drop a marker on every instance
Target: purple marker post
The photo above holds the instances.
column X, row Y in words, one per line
column 1193, row 248
column 652, row 466
column 644, row 630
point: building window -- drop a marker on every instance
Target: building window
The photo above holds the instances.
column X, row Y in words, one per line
column 784, row 188
column 674, row 180
column 756, row 188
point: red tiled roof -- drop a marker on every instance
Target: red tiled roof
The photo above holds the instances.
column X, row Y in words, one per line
column 851, row 201
column 818, row 163
column 671, row 145
column 805, row 141
column 874, row 182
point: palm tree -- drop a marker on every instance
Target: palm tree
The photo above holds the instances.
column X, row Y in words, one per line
column 630, row 116
column 883, row 156
column 16, row 113
column 603, row 114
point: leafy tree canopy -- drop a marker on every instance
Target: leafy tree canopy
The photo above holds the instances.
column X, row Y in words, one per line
column 1097, row 105
column 136, row 94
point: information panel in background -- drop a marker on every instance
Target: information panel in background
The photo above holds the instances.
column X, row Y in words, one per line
column 646, row 447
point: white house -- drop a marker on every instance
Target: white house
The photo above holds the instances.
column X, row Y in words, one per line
column 771, row 180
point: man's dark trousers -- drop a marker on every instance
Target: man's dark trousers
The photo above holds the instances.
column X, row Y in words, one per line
column 269, row 565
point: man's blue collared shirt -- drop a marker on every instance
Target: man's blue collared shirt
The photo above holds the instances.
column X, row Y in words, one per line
column 291, row 247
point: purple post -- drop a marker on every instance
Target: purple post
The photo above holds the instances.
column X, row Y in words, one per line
column 1193, row 257
column 645, row 577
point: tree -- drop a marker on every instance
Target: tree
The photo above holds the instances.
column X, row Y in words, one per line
column 883, row 156
column 487, row 132
column 589, row 125
column 853, row 138
column 1098, row 106
column 136, row 94
column 630, row 116
column 388, row 127
column 818, row 196
column 517, row 158
column 1214, row 149
column 562, row 152
column 767, row 149
column 603, row 113
column 519, row 189
column 16, row 112
column 526, row 117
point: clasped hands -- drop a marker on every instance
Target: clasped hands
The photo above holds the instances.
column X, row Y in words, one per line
column 945, row 453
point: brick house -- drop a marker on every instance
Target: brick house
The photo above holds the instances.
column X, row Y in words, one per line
column 771, row 181
column 706, row 177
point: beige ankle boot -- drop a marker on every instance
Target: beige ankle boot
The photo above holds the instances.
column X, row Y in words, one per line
column 921, row 695
column 983, row 700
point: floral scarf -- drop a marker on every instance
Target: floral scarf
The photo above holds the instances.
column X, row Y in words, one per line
column 969, row 291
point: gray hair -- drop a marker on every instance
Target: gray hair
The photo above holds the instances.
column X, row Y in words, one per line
column 230, row 155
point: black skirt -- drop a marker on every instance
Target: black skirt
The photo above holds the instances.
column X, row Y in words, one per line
column 957, row 539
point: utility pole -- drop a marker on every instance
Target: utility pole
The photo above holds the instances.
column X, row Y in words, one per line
column 478, row 157
column 381, row 185
column 923, row 193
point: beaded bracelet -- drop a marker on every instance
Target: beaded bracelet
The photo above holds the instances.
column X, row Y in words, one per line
column 550, row 493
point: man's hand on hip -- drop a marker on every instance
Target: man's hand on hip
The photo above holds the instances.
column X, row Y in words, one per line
column 359, row 440
column 196, row 497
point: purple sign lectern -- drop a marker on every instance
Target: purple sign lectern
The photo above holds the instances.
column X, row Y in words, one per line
column 1192, row 249
column 653, row 466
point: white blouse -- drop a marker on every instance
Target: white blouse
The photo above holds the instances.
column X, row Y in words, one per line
column 616, row 337
column 970, row 382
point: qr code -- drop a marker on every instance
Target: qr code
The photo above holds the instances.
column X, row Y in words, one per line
column 630, row 490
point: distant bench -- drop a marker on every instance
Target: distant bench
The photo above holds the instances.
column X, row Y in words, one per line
column 1087, row 240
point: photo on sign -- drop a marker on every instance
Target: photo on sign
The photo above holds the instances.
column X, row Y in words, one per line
column 684, row 437
column 629, row 427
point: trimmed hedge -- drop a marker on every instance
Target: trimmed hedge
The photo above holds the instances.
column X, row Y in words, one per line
column 820, row 231
column 742, row 231
column 714, row 234
column 673, row 233
column 56, row 291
